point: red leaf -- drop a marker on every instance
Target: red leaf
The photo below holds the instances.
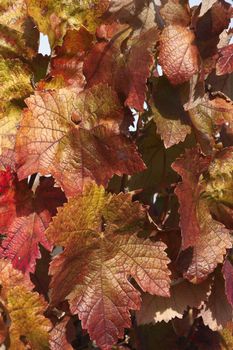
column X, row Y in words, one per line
column 210, row 249
column 105, row 63
column 190, row 167
column 76, row 138
column 228, row 276
column 27, row 228
column 101, row 251
column 225, row 61
column 7, row 199
column 178, row 55
column 58, row 335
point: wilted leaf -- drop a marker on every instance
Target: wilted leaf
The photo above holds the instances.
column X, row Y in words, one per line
column 183, row 295
column 102, row 250
column 178, row 55
column 75, row 138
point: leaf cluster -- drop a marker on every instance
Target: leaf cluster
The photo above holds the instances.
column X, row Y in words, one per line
column 116, row 175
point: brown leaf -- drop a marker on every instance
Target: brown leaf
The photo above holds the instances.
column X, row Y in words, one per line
column 173, row 12
column 183, row 295
column 170, row 118
column 217, row 312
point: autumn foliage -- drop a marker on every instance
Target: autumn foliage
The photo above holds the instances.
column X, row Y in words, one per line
column 116, row 175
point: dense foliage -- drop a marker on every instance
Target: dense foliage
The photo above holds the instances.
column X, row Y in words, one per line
column 116, row 175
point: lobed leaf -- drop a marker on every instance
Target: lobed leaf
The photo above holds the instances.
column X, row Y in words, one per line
column 25, row 230
column 217, row 312
column 82, row 141
column 102, row 250
column 183, row 295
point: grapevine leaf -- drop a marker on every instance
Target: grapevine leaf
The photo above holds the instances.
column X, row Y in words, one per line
column 25, row 309
column 76, row 42
column 173, row 12
column 140, row 15
column 60, row 15
column 206, row 5
column 159, row 173
column 27, row 229
column 184, row 294
column 228, row 276
column 161, row 335
column 217, row 312
column 178, row 56
column 210, row 248
column 18, row 35
column 211, row 113
column 13, row 14
column 82, row 141
column 190, row 167
column 208, row 28
column 208, row 237
column 221, row 83
column 225, row 61
column 66, row 72
column 15, row 85
column 102, row 250
column 7, row 199
column 58, row 335
column 169, row 115
column 106, row 63
column 67, row 65
column 220, row 181
column 14, row 79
